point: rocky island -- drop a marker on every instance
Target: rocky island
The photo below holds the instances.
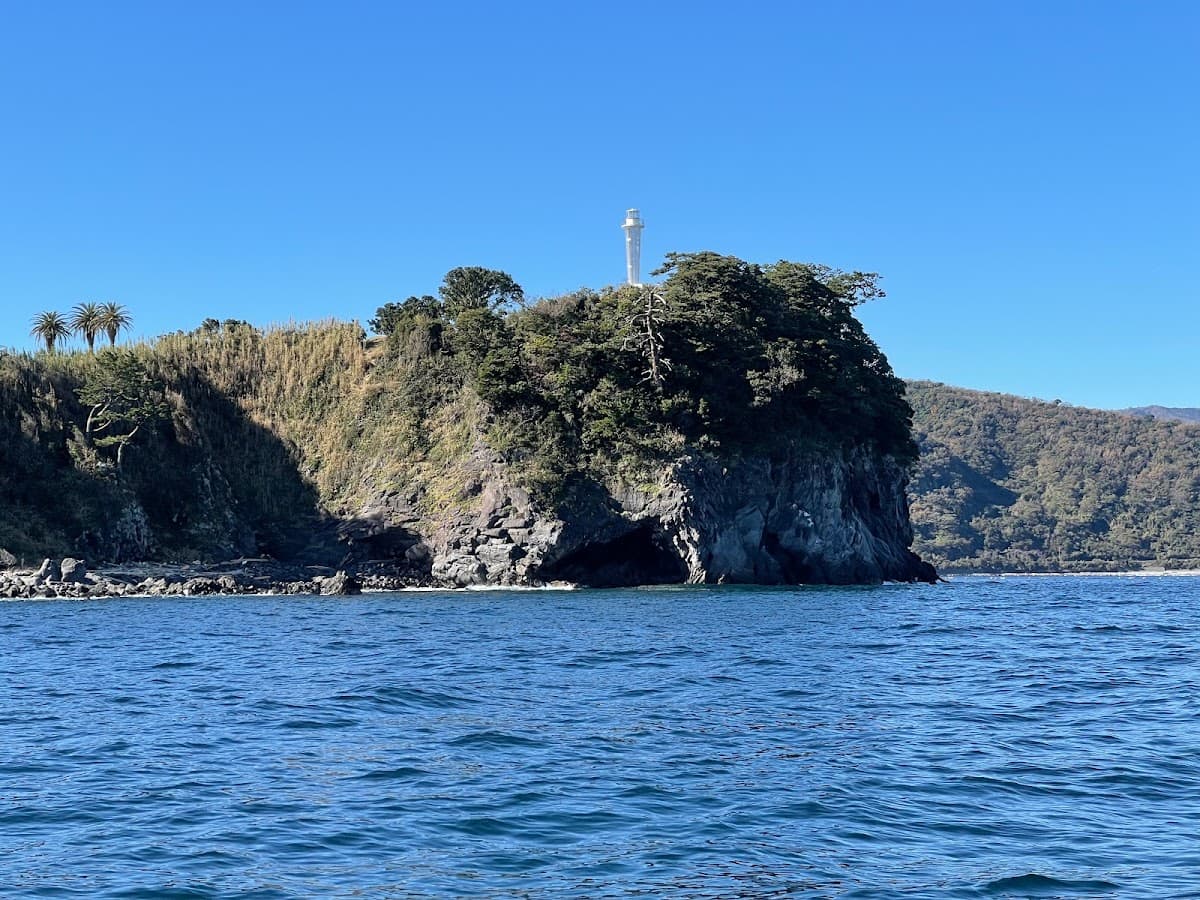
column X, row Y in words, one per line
column 733, row 424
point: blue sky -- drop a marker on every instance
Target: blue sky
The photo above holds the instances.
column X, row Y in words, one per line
column 1023, row 174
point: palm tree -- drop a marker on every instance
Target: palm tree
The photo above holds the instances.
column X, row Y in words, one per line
column 113, row 320
column 48, row 327
column 87, row 320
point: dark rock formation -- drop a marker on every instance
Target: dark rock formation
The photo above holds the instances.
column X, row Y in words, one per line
column 340, row 584
column 242, row 577
column 828, row 517
column 205, row 586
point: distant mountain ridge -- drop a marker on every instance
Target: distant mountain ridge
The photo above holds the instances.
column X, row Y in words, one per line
column 1171, row 413
column 1010, row 484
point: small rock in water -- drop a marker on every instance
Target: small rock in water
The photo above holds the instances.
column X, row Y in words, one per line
column 200, row 587
column 340, row 585
column 153, row 586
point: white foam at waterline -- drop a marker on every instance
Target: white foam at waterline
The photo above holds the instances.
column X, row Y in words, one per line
column 552, row 586
column 1134, row 573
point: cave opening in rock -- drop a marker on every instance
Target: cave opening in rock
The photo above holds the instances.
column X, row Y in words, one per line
column 794, row 566
column 641, row 556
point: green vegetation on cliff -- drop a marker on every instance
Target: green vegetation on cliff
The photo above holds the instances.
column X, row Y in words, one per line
column 1008, row 484
column 724, row 356
column 227, row 440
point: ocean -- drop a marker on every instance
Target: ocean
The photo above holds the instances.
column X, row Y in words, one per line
column 990, row 737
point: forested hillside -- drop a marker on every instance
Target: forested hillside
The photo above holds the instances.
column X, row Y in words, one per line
column 1008, row 484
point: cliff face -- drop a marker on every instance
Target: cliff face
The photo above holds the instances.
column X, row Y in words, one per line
column 821, row 517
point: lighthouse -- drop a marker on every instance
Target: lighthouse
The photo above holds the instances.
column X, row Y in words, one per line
column 633, row 247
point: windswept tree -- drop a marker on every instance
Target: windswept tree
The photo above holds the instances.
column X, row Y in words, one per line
column 474, row 287
column 644, row 333
column 50, row 328
column 114, row 319
column 122, row 397
column 86, row 320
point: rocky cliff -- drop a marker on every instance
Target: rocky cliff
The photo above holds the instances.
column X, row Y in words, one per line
column 818, row 517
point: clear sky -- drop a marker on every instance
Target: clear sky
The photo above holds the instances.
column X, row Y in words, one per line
column 1023, row 174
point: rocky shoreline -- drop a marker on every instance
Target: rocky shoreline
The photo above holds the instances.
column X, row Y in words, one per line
column 70, row 578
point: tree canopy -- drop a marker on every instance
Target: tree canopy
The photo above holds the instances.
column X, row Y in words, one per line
column 393, row 317
column 122, row 396
column 113, row 319
column 474, row 287
column 88, row 320
column 50, row 328
column 723, row 354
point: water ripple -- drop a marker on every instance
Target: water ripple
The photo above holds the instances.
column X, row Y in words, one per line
column 1018, row 737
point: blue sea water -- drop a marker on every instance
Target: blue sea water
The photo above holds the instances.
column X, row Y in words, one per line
column 1016, row 737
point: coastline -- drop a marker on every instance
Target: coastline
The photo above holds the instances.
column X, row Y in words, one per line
column 70, row 579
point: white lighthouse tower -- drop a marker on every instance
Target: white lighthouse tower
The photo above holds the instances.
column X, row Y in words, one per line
column 633, row 247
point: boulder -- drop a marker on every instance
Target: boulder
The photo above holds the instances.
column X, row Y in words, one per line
column 418, row 553
column 7, row 560
column 203, row 587
column 340, row 585
column 153, row 587
column 459, row 568
column 72, row 571
column 50, row 570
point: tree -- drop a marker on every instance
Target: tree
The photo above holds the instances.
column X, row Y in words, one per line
column 49, row 328
column 393, row 317
column 114, row 319
column 477, row 333
column 123, row 397
column 823, row 290
column 211, row 327
column 474, row 287
column 86, row 319
column 645, row 333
